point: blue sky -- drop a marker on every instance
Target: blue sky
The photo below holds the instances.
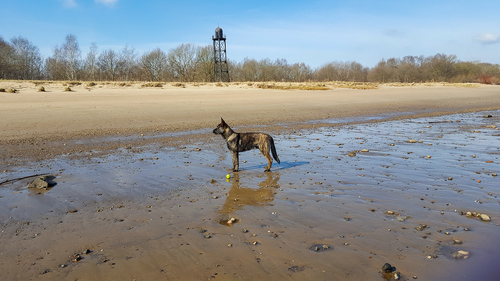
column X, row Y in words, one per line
column 314, row 32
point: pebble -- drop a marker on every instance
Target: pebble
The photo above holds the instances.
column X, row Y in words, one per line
column 352, row 154
column 460, row 255
column 485, row 217
column 421, row 227
column 387, row 268
column 412, row 141
column 401, row 218
column 365, row 150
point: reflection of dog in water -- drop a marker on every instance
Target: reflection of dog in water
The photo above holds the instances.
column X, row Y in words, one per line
column 239, row 197
column 239, row 142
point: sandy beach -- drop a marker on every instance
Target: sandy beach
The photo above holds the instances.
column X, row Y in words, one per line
column 367, row 177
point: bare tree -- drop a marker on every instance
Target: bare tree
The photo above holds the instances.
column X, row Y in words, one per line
column 441, row 67
column 54, row 65
column 182, row 62
column 205, row 64
column 342, row 71
column 90, row 64
column 128, row 61
column 154, row 65
column 71, row 56
column 6, row 60
column 300, row 72
column 250, row 70
column 27, row 59
column 108, row 63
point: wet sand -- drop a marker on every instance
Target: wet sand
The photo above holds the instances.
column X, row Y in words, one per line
column 155, row 206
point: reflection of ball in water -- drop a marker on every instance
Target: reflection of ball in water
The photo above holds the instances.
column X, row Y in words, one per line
column 228, row 176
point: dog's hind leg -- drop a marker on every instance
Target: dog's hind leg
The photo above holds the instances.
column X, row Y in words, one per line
column 265, row 152
column 236, row 161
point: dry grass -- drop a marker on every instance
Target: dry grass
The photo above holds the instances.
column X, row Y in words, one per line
column 356, row 85
column 41, row 89
column 67, row 89
column 178, row 84
column 398, row 84
column 151, row 84
column 461, row 85
column 306, row 87
column 434, row 84
column 220, row 84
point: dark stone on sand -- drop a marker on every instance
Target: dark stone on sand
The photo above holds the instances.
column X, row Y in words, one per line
column 387, row 268
column 320, row 247
column 43, row 182
column 296, row 268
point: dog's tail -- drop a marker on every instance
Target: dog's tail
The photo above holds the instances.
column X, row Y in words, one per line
column 273, row 151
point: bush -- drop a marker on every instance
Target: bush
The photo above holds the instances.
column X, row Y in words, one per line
column 12, row 90
column 41, row 89
column 151, row 84
column 2, row 90
column 91, row 84
column 68, row 89
column 179, row 85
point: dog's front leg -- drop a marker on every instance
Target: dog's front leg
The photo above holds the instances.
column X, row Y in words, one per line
column 236, row 162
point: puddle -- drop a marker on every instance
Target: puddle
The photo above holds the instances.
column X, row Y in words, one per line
column 144, row 210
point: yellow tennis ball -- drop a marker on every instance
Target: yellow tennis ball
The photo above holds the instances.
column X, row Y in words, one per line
column 228, row 176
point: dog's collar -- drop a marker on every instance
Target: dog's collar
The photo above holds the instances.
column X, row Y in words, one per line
column 232, row 136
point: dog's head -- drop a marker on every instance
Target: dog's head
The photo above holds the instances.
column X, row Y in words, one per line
column 221, row 128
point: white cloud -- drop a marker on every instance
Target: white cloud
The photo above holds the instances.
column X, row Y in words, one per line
column 107, row 2
column 69, row 3
column 488, row 38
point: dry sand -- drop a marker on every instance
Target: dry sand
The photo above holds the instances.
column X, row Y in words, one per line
column 135, row 190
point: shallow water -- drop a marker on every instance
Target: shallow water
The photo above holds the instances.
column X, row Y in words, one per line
column 319, row 195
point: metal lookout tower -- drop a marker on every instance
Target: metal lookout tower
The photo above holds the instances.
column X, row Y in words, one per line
column 221, row 72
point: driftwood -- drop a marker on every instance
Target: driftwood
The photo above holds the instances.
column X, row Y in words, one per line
column 22, row 178
column 448, row 121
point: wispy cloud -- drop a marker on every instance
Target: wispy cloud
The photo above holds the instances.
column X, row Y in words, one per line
column 393, row 32
column 107, row 2
column 69, row 3
column 488, row 38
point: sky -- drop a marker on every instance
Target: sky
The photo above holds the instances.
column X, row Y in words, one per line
column 314, row 32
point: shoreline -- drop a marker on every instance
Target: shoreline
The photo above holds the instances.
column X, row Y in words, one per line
column 36, row 126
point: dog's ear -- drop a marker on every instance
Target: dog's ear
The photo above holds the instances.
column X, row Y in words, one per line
column 222, row 121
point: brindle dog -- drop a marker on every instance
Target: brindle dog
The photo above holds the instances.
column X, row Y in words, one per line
column 239, row 142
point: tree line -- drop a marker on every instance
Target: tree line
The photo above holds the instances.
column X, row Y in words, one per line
column 21, row 60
